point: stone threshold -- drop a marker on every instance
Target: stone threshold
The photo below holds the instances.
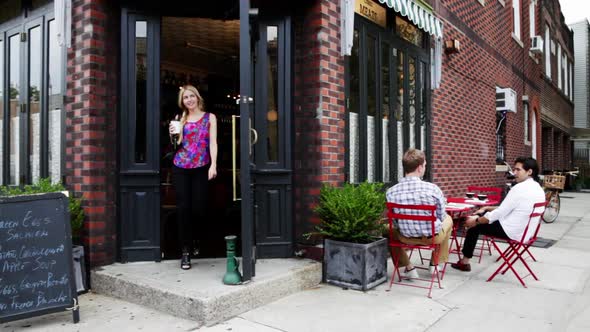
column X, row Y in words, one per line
column 199, row 294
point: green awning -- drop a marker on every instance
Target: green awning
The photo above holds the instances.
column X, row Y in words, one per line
column 418, row 15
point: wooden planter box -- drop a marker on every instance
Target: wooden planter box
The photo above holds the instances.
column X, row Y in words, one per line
column 355, row 265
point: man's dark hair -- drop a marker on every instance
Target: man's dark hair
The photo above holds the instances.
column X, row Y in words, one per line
column 529, row 163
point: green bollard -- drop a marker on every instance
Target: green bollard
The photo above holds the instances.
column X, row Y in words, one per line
column 232, row 275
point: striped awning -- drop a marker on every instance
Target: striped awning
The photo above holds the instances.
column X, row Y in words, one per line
column 418, row 15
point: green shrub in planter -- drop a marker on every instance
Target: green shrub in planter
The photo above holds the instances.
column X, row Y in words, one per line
column 351, row 213
column 44, row 185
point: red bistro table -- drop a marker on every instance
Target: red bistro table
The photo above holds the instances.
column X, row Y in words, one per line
column 458, row 207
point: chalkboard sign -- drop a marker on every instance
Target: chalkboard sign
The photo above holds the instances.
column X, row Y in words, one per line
column 35, row 257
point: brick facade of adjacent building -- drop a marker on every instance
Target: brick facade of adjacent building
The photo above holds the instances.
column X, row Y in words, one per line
column 557, row 106
column 319, row 146
column 464, row 109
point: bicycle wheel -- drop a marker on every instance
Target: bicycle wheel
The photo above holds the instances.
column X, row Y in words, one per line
column 552, row 209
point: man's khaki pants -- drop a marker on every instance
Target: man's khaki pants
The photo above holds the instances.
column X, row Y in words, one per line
column 442, row 238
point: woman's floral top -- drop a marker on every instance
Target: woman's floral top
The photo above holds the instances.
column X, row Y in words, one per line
column 194, row 151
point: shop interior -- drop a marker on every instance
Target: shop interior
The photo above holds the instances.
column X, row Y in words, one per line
column 203, row 52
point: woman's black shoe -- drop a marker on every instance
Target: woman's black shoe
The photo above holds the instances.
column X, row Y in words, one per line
column 185, row 261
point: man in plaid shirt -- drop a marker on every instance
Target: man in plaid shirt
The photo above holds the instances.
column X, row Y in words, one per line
column 412, row 190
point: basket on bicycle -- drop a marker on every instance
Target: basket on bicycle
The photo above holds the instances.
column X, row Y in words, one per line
column 554, row 181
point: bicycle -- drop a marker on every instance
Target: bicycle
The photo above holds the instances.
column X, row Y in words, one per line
column 553, row 184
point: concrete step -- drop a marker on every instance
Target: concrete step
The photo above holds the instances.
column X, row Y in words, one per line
column 199, row 294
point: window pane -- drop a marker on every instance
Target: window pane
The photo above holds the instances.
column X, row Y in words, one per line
column 353, row 115
column 55, row 104
column 14, row 79
column 386, row 86
column 35, row 53
column 273, row 79
column 399, row 112
column 10, row 9
column 412, row 100
column 1, row 112
column 423, row 112
column 38, row 3
column 140, row 92
column 371, row 106
column 408, row 31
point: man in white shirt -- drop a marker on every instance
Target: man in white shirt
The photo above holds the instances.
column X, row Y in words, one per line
column 508, row 220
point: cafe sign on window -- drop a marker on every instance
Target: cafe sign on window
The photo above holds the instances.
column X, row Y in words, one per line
column 372, row 11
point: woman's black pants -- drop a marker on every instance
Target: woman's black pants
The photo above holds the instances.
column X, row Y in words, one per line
column 191, row 186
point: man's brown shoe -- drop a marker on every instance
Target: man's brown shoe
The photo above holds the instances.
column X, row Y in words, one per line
column 461, row 267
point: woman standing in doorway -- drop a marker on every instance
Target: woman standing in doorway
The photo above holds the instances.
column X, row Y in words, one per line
column 195, row 163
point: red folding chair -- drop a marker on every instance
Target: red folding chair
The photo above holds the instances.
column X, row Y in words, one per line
column 495, row 194
column 516, row 249
column 431, row 218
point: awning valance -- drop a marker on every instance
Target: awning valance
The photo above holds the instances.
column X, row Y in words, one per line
column 418, row 15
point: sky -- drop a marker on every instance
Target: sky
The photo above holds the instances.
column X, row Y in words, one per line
column 575, row 10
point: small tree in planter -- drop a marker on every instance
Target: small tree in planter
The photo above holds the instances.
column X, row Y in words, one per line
column 355, row 254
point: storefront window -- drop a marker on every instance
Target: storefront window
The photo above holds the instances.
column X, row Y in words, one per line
column 353, row 115
column 55, row 103
column 412, row 101
column 409, row 32
column 371, row 106
column 399, row 113
column 273, row 79
column 31, row 91
column 141, row 93
column 14, row 123
column 388, row 100
column 36, row 49
column 1, row 112
column 385, row 91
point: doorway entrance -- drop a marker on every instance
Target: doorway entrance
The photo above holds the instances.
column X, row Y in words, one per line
column 240, row 60
column 203, row 52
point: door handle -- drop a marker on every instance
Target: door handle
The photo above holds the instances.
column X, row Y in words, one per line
column 255, row 140
column 234, row 158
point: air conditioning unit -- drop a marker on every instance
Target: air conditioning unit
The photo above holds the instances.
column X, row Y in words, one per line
column 505, row 100
column 536, row 44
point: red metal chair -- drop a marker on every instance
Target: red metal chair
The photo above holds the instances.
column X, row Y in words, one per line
column 516, row 249
column 431, row 218
column 494, row 194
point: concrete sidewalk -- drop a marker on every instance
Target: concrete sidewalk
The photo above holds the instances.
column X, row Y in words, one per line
column 559, row 301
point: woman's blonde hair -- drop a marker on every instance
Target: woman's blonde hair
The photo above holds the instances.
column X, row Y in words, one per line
column 200, row 105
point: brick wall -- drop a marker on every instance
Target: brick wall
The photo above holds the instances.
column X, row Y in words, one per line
column 318, row 107
column 91, row 118
column 463, row 114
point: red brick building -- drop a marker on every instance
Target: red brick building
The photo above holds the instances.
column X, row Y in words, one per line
column 314, row 92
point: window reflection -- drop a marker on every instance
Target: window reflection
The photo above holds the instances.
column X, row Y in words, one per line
column 54, row 104
column 35, row 49
column 399, row 112
column 353, row 115
column 273, row 78
column 141, row 93
column 412, row 101
column 408, row 31
column 371, row 106
column 14, row 95
column 423, row 68
column 1, row 112
column 385, row 87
